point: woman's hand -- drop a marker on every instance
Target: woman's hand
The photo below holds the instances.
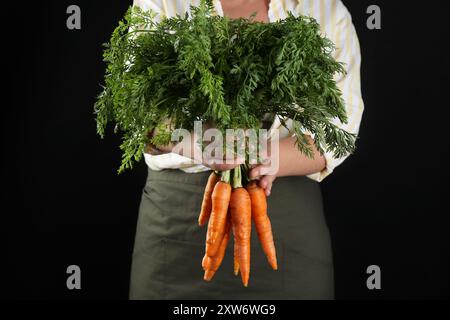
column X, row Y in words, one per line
column 192, row 150
column 288, row 161
column 261, row 172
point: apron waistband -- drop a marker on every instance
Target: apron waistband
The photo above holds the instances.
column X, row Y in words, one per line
column 178, row 176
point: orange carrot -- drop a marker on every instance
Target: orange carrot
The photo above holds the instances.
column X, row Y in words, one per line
column 205, row 211
column 262, row 222
column 235, row 260
column 216, row 226
column 206, row 262
column 213, row 263
column 241, row 218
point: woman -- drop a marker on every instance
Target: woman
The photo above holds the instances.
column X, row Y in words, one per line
column 169, row 244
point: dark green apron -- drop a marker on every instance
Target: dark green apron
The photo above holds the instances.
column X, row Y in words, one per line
column 169, row 244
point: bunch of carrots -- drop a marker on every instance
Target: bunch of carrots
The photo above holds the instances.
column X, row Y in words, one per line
column 230, row 207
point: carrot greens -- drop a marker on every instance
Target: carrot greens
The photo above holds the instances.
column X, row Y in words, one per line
column 228, row 71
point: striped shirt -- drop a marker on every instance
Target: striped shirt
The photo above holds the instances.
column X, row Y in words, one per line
column 336, row 24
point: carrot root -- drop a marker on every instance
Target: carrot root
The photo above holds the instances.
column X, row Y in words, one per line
column 206, row 262
column 262, row 222
column 209, row 274
column 216, row 226
column 206, row 207
column 235, row 259
column 240, row 206
column 213, row 263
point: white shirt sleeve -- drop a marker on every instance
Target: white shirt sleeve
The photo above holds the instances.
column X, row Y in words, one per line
column 343, row 34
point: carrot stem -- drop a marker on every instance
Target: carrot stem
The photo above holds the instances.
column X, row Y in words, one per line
column 245, row 168
column 237, row 177
column 225, row 176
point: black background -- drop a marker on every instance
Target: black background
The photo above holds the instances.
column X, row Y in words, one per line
column 64, row 204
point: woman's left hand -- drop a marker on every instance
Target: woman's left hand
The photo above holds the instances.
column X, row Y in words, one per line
column 262, row 173
column 266, row 172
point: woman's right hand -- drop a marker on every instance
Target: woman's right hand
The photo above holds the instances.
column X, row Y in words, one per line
column 192, row 150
